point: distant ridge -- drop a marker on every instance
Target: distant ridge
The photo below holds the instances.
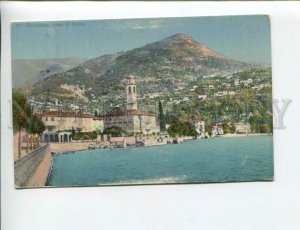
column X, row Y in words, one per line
column 28, row 71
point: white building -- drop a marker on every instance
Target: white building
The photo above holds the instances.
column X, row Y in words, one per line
column 202, row 96
column 237, row 82
column 242, row 128
column 217, row 130
column 200, row 128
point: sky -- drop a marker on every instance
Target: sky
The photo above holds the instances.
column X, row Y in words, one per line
column 244, row 38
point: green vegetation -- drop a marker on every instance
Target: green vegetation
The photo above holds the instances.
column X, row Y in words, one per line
column 244, row 105
column 162, row 120
column 23, row 118
column 228, row 128
column 181, row 128
column 35, row 127
column 114, row 131
column 264, row 128
column 84, row 135
column 21, row 115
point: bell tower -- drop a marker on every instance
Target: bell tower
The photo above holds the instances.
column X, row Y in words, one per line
column 131, row 93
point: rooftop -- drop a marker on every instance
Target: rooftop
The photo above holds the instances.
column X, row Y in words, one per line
column 119, row 112
column 59, row 113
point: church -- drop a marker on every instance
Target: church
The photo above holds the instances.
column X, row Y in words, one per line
column 132, row 119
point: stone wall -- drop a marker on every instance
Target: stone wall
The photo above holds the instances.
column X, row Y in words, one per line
column 129, row 140
column 26, row 166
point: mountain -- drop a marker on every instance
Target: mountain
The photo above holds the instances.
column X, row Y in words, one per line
column 28, row 71
column 156, row 66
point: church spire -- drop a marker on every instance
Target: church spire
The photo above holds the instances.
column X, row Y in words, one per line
column 131, row 93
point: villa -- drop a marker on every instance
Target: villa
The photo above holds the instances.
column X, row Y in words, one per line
column 59, row 124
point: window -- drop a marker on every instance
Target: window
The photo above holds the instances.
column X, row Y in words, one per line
column 50, row 128
column 46, row 118
column 134, row 89
column 52, row 119
column 129, row 89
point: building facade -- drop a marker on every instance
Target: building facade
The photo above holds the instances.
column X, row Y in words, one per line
column 59, row 124
column 217, row 130
column 132, row 119
column 242, row 128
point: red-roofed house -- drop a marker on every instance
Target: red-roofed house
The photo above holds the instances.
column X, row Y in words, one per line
column 59, row 124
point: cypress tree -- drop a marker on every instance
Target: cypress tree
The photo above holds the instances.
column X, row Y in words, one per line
column 162, row 122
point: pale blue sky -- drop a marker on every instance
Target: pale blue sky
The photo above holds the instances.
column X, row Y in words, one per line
column 244, row 38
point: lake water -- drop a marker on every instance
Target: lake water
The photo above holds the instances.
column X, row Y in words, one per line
column 196, row 161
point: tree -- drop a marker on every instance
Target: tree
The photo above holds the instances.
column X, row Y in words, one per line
column 40, row 128
column 73, row 131
column 35, row 127
column 264, row 128
column 181, row 128
column 21, row 115
column 227, row 128
column 162, row 122
column 168, row 117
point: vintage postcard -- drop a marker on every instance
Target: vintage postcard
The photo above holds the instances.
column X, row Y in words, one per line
column 142, row 101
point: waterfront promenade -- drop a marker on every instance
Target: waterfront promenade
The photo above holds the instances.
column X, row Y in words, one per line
column 39, row 178
column 28, row 168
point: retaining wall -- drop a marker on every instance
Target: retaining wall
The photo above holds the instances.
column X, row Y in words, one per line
column 26, row 166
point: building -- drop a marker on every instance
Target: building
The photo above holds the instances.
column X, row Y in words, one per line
column 200, row 128
column 217, row 130
column 185, row 99
column 242, row 128
column 204, row 96
column 237, row 82
column 131, row 119
column 59, row 124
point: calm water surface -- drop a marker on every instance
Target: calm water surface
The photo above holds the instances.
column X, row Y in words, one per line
column 206, row 160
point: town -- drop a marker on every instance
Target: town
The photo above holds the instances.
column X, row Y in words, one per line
column 222, row 99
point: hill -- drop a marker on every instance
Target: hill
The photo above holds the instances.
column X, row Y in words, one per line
column 28, row 71
column 156, row 66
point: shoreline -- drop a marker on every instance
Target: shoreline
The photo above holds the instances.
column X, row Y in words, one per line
column 71, row 147
column 245, row 135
